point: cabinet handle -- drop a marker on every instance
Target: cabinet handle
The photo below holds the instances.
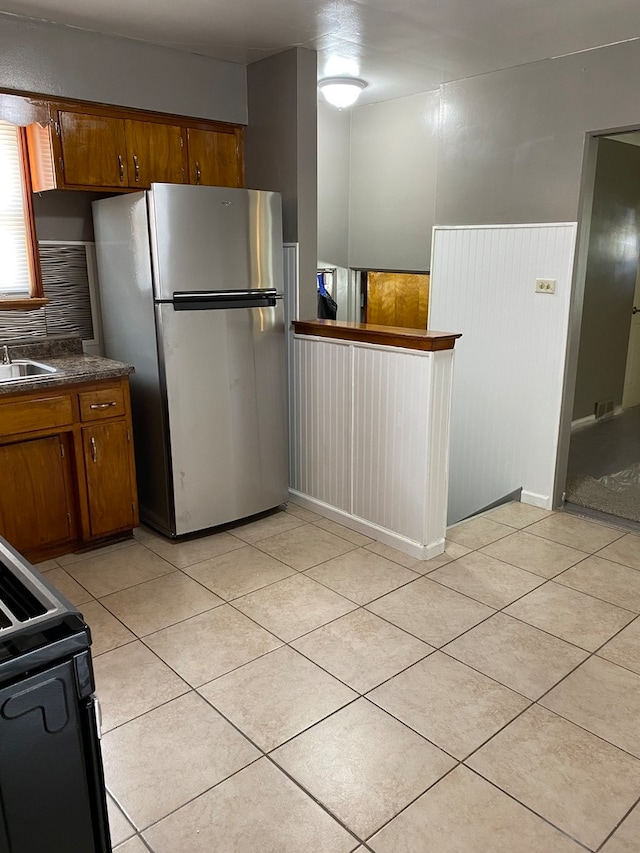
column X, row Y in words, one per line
column 102, row 405
column 94, row 450
column 136, row 168
column 198, row 172
column 121, row 167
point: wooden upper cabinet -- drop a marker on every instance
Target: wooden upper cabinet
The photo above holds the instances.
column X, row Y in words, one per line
column 119, row 149
column 94, row 150
column 111, row 152
column 155, row 152
column 79, row 151
column 215, row 157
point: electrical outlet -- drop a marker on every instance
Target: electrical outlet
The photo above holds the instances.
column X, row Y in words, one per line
column 545, row 285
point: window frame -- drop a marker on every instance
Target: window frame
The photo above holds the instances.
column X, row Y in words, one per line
column 36, row 298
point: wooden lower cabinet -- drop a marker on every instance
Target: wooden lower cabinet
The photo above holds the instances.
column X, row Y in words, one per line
column 68, row 475
column 109, row 486
column 36, row 498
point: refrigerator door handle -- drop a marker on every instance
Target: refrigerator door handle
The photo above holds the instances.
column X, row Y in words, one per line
column 221, row 299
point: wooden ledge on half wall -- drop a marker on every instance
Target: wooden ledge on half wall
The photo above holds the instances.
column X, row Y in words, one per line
column 389, row 336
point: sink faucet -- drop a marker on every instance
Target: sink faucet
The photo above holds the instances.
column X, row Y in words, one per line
column 6, row 358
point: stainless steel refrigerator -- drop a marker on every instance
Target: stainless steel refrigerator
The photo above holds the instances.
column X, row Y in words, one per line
column 191, row 293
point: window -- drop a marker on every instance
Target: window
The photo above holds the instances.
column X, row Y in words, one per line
column 20, row 280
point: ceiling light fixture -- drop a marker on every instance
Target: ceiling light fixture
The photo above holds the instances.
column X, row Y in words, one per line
column 341, row 91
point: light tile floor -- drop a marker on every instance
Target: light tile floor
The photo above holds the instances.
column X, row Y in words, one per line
column 288, row 686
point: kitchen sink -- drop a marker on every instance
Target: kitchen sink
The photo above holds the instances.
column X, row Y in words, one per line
column 24, row 368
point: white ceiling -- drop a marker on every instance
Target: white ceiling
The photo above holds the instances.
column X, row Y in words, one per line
column 399, row 46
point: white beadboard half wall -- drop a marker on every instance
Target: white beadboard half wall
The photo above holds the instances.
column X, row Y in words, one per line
column 370, row 437
column 510, row 361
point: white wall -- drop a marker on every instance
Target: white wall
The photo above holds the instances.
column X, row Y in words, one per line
column 509, row 364
column 334, row 140
column 66, row 62
column 510, row 148
column 393, row 183
column 512, row 142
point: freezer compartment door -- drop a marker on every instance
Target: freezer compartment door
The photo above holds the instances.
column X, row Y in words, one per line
column 214, row 238
column 223, row 371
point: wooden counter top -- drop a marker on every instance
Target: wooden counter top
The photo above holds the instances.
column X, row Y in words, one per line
column 389, row 336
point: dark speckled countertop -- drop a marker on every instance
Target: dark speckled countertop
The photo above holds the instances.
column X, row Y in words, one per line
column 66, row 355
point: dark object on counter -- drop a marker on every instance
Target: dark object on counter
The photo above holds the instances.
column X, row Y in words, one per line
column 51, row 778
column 327, row 306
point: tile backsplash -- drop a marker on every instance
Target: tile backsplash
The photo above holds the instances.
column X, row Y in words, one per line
column 68, row 279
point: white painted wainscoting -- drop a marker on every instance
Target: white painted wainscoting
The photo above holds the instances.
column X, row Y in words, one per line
column 370, row 437
column 291, row 283
column 510, row 361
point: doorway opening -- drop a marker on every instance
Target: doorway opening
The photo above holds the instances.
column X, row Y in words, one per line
column 603, row 472
column 395, row 298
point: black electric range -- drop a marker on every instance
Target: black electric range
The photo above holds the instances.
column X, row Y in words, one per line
column 52, row 795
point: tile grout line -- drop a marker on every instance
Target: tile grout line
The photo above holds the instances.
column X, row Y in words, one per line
column 288, row 644
column 263, row 754
column 528, row 808
column 267, row 754
column 364, row 696
column 363, row 607
column 391, row 623
column 303, row 571
column 620, row 823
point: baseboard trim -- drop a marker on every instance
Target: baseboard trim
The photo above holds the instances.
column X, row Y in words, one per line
column 542, row 501
column 582, row 422
column 591, row 419
column 368, row 528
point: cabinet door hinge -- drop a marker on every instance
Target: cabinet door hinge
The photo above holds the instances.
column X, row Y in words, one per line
column 62, row 450
column 128, row 435
column 181, row 142
column 61, row 161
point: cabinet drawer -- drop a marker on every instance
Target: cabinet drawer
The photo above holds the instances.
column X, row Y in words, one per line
column 101, row 403
column 35, row 413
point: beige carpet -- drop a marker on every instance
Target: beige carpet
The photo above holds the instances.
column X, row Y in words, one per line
column 595, row 494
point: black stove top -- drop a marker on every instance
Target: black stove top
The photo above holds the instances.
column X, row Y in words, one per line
column 37, row 623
